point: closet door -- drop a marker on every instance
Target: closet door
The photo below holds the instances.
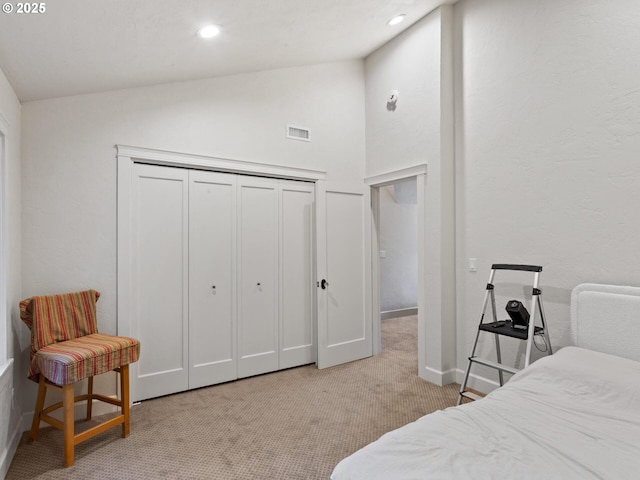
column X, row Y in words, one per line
column 257, row 276
column 296, row 274
column 212, row 278
column 160, row 280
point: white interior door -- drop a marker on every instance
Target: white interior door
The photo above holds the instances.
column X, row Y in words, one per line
column 160, row 280
column 212, row 278
column 297, row 332
column 258, row 276
column 343, row 228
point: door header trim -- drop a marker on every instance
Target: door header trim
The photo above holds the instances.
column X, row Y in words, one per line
column 218, row 164
column 387, row 178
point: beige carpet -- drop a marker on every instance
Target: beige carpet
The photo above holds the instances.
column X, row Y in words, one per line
column 294, row 424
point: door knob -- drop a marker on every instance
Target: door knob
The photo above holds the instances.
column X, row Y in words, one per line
column 324, row 284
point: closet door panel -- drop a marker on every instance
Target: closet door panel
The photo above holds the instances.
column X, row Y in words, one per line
column 160, row 246
column 258, row 276
column 296, row 274
column 212, row 292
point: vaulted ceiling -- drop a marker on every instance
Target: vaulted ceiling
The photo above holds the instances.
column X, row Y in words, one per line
column 85, row 46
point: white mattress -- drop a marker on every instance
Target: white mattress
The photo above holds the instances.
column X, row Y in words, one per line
column 572, row 415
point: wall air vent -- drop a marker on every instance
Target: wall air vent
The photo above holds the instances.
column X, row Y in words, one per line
column 298, row 133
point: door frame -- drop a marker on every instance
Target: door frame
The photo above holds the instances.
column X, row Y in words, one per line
column 436, row 268
column 375, row 183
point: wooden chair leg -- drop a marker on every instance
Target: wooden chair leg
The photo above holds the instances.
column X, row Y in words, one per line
column 124, row 399
column 89, row 397
column 42, row 393
column 68, row 404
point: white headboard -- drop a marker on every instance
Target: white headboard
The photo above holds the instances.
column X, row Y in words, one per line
column 606, row 318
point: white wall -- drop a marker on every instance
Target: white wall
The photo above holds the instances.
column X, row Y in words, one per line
column 69, row 162
column 399, row 240
column 418, row 63
column 16, row 336
column 410, row 64
column 548, row 115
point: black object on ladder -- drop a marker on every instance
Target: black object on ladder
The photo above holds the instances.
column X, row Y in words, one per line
column 521, row 326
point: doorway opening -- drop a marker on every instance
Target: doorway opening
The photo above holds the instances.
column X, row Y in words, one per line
column 395, row 207
column 398, row 249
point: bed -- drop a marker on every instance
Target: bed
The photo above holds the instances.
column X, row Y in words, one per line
column 571, row 415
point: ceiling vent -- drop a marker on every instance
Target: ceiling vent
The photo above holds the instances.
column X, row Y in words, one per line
column 298, row 133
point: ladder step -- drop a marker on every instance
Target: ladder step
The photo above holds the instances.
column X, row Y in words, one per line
column 471, row 395
column 496, row 365
column 505, row 327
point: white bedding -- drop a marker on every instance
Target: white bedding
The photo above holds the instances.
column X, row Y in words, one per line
column 572, row 415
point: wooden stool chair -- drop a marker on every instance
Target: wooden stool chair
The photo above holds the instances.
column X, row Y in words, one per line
column 67, row 348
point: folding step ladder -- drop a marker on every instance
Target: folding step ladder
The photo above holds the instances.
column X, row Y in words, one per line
column 517, row 327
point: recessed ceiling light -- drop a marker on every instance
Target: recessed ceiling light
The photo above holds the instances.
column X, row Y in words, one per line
column 397, row 19
column 209, row 31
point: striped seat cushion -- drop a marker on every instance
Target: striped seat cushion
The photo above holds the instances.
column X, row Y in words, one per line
column 82, row 357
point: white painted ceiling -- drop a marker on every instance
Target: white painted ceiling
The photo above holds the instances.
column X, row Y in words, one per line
column 85, row 46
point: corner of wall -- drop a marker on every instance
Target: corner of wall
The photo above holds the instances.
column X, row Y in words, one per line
column 448, row 179
column 11, row 385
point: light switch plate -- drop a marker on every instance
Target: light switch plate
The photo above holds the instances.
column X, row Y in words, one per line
column 473, row 266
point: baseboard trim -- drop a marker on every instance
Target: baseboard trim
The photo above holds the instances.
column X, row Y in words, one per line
column 477, row 382
column 438, row 377
column 402, row 312
column 454, row 375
